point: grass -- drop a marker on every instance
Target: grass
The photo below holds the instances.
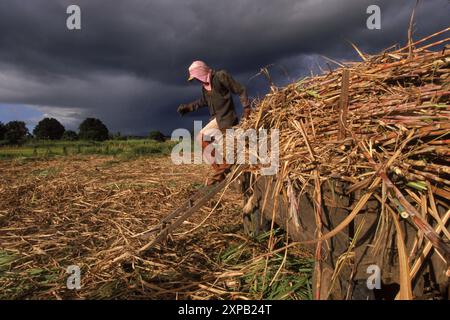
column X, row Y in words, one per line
column 278, row 277
column 5, row 260
column 26, row 281
column 122, row 148
column 44, row 173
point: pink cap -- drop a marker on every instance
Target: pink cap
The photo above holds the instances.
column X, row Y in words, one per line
column 199, row 70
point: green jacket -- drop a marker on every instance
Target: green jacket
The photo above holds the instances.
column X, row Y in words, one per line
column 220, row 101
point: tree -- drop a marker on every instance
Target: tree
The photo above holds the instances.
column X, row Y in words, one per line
column 49, row 128
column 16, row 132
column 2, row 131
column 157, row 135
column 70, row 135
column 93, row 129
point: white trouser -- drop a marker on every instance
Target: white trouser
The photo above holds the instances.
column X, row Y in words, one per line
column 211, row 130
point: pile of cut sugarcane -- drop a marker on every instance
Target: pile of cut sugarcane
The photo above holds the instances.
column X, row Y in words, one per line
column 381, row 125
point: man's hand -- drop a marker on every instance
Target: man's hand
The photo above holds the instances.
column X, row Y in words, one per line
column 247, row 112
column 183, row 109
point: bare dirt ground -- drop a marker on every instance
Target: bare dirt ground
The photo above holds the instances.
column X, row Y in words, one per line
column 89, row 212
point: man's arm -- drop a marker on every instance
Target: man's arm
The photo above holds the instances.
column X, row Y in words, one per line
column 193, row 106
column 199, row 103
column 236, row 88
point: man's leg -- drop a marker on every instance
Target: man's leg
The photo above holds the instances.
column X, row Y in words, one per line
column 212, row 156
column 203, row 139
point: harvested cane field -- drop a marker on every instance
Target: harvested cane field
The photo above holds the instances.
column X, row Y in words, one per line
column 382, row 127
column 90, row 211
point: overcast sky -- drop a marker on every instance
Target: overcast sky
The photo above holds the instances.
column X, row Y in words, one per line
column 128, row 64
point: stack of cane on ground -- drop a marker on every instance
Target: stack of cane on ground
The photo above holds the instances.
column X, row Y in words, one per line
column 382, row 125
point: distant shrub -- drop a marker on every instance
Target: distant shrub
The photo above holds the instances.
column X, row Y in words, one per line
column 49, row 128
column 118, row 136
column 16, row 132
column 2, row 131
column 157, row 136
column 93, row 129
column 70, row 135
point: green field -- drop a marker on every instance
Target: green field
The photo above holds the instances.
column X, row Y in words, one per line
column 46, row 149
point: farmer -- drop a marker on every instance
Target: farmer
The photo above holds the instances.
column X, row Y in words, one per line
column 217, row 89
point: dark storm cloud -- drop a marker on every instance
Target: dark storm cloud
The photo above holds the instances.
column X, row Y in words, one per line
column 128, row 63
